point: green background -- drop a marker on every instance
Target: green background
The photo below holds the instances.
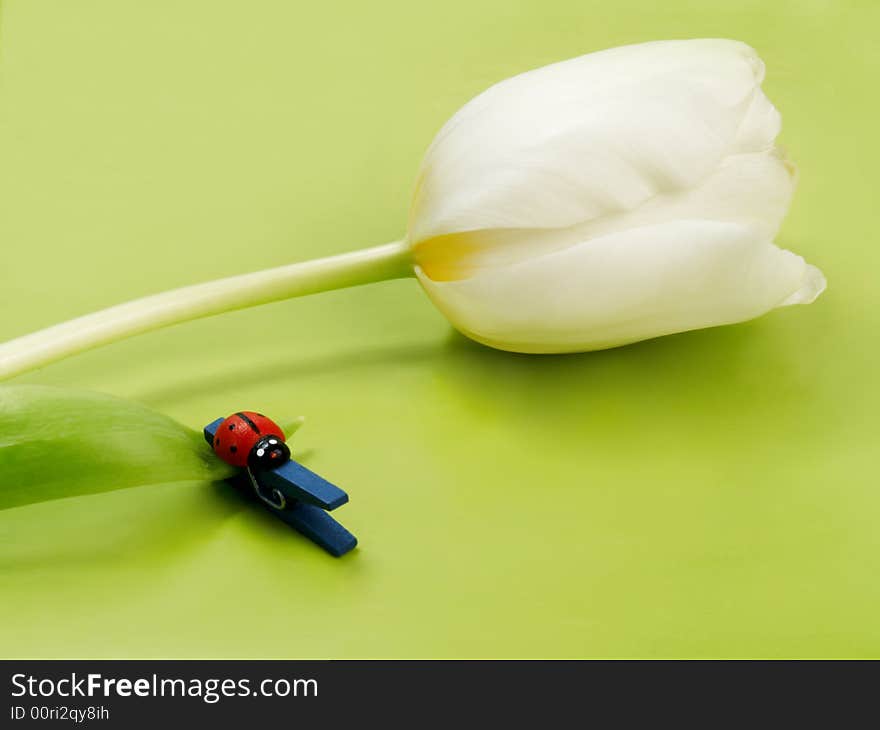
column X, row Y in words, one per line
column 707, row 494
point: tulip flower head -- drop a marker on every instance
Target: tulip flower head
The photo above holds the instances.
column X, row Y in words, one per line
column 618, row 196
column 622, row 195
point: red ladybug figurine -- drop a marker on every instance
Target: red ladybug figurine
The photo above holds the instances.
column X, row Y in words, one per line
column 301, row 498
column 248, row 439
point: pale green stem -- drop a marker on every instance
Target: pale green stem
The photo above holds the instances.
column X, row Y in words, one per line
column 391, row 261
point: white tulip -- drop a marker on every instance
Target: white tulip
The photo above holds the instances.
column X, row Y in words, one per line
column 611, row 198
column 618, row 196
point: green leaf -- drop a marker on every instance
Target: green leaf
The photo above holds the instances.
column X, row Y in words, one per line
column 57, row 443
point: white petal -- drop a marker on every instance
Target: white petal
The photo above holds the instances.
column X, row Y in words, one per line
column 750, row 189
column 594, row 136
column 626, row 286
column 812, row 286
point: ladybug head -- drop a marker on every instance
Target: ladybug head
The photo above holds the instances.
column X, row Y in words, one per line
column 269, row 452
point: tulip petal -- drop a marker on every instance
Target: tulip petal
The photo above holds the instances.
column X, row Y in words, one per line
column 627, row 286
column 594, row 136
column 750, row 189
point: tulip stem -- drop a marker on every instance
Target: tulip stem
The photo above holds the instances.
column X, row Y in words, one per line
column 390, row 261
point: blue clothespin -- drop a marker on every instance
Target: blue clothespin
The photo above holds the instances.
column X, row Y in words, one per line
column 296, row 495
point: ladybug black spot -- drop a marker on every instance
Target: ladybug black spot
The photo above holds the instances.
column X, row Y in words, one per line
column 233, row 448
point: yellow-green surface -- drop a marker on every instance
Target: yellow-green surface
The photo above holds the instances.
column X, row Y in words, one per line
column 707, row 494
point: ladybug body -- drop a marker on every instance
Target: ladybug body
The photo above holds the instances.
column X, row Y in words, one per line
column 249, row 439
